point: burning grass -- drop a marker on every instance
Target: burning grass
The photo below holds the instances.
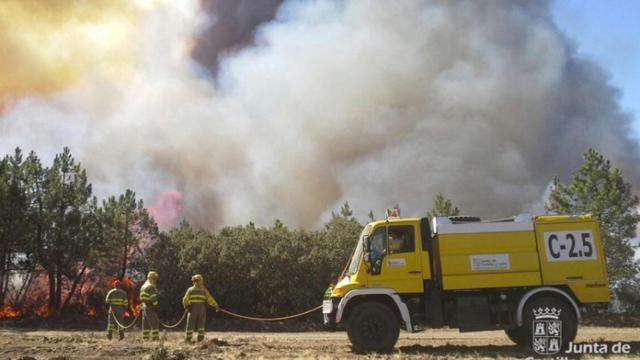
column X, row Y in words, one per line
column 9, row 312
column 89, row 300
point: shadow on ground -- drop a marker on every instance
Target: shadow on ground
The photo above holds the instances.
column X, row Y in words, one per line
column 587, row 349
column 462, row 350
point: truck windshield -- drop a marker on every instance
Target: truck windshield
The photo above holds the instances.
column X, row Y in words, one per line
column 357, row 254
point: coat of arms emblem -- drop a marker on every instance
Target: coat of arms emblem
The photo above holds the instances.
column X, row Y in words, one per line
column 547, row 331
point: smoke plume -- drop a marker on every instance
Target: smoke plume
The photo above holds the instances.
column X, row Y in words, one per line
column 231, row 27
column 377, row 103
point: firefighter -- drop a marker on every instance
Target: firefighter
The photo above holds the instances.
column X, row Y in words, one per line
column 149, row 299
column 195, row 300
column 118, row 302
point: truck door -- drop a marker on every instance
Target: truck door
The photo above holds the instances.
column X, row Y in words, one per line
column 397, row 256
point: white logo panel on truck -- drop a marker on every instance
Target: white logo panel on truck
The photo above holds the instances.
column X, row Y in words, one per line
column 570, row 245
column 490, row 262
column 395, row 263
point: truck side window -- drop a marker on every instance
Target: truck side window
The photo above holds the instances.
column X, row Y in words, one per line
column 401, row 239
column 377, row 249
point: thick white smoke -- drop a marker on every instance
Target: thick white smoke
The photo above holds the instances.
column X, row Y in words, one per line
column 377, row 103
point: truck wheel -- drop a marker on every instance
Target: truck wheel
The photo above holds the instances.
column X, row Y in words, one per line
column 567, row 316
column 373, row 327
column 516, row 335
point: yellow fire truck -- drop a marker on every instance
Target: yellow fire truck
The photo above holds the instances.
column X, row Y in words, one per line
column 531, row 276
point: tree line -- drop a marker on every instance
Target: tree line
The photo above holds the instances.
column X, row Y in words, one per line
column 52, row 227
column 264, row 271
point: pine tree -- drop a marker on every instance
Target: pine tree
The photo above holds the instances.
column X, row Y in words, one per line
column 442, row 207
column 371, row 216
column 13, row 217
column 126, row 223
column 599, row 189
column 67, row 202
column 278, row 224
column 345, row 212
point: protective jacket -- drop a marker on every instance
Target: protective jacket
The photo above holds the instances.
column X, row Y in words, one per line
column 117, row 298
column 198, row 295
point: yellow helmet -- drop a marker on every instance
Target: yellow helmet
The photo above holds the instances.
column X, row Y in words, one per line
column 197, row 278
column 152, row 275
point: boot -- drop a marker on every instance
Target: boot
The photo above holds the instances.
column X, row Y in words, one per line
column 109, row 335
column 121, row 335
column 200, row 338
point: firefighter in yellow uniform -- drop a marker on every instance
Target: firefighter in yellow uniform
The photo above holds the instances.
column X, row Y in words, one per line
column 149, row 299
column 118, row 302
column 195, row 300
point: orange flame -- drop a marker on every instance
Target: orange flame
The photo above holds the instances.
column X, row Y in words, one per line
column 135, row 309
column 127, row 284
column 42, row 311
column 8, row 311
column 91, row 312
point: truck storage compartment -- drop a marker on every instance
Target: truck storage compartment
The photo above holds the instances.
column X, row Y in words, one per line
column 487, row 254
column 571, row 253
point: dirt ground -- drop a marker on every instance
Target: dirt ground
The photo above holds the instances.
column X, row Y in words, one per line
column 29, row 345
column 59, row 345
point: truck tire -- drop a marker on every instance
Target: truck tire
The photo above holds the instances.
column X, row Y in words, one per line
column 567, row 315
column 516, row 335
column 373, row 327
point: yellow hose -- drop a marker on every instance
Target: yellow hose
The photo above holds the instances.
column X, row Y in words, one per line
column 270, row 319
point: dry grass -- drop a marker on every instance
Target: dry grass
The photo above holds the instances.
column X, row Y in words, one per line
column 434, row 344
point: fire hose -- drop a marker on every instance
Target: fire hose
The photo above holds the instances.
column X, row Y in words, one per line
column 113, row 316
column 184, row 314
column 186, row 311
column 136, row 319
column 270, row 319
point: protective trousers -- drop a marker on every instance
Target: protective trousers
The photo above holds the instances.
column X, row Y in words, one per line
column 196, row 320
column 117, row 312
column 150, row 323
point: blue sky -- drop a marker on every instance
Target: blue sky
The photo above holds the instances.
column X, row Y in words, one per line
column 608, row 32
